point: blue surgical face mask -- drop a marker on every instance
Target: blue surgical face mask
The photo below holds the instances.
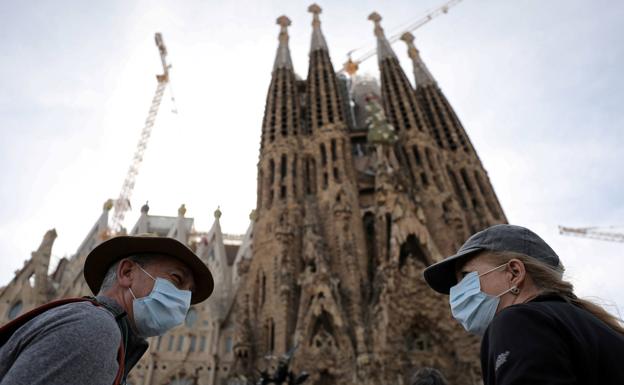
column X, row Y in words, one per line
column 164, row 308
column 470, row 306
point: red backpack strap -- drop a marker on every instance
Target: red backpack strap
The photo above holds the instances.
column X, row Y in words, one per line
column 7, row 330
column 121, row 360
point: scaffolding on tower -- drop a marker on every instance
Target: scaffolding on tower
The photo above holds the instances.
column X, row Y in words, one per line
column 122, row 203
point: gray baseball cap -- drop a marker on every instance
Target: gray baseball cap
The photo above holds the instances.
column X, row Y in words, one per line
column 441, row 276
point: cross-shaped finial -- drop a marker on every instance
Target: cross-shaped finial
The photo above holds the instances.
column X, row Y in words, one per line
column 283, row 21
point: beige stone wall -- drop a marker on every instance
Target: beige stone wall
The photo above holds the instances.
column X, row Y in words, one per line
column 198, row 352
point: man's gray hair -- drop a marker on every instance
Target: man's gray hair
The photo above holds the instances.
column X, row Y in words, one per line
column 111, row 274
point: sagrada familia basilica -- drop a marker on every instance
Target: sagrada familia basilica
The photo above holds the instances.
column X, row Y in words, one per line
column 361, row 184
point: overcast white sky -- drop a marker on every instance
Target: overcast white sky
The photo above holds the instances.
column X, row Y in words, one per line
column 537, row 84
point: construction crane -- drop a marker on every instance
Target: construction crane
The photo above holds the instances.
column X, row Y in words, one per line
column 601, row 233
column 351, row 66
column 122, row 204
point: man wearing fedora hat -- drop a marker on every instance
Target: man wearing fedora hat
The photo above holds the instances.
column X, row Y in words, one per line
column 144, row 286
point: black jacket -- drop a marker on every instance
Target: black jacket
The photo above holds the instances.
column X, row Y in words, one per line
column 550, row 341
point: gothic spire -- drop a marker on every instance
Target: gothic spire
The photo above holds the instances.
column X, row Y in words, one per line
column 318, row 40
column 281, row 116
column 384, row 50
column 282, row 59
column 422, row 76
column 280, row 127
column 397, row 93
column 323, row 94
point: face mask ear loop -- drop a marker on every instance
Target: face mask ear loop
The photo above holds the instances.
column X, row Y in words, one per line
column 513, row 290
column 491, row 270
column 148, row 274
column 133, row 296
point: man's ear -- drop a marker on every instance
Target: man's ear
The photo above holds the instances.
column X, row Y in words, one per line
column 125, row 273
column 518, row 272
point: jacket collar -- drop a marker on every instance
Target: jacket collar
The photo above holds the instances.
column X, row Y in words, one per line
column 136, row 345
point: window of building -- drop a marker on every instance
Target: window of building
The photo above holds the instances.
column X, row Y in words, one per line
column 263, row 290
column 294, row 176
column 388, row 234
column 15, row 309
column 180, row 343
column 271, row 181
column 228, row 344
column 283, row 166
column 170, row 344
column 419, row 342
column 271, row 335
column 417, row 155
column 371, row 243
column 456, row 188
column 192, row 343
column 202, row 343
column 412, row 248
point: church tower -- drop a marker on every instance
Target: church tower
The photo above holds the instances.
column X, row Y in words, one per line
column 409, row 326
column 357, row 194
column 268, row 298
column 468, row 179
column 417, row 152
column 305, row 283
column 330, row 326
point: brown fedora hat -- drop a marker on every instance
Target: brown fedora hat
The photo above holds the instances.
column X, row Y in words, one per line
column 104, row 255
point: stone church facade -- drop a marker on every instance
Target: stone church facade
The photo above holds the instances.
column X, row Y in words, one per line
column 361, row 184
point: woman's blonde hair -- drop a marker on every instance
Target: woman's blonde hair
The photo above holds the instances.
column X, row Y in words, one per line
column 549, row 280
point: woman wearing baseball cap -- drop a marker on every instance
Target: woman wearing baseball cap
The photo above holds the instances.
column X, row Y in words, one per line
column 506, row 284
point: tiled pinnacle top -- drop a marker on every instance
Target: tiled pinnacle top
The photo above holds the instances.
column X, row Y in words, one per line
column 282, row 59
column 384, row 50
column 318, row 40
column 421, row 73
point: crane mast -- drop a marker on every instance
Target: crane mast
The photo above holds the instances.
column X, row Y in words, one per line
column 601, row 233
column 122, row 204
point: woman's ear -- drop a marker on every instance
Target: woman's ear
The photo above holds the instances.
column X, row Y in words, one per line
column 125, row 273
column 517, row 272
